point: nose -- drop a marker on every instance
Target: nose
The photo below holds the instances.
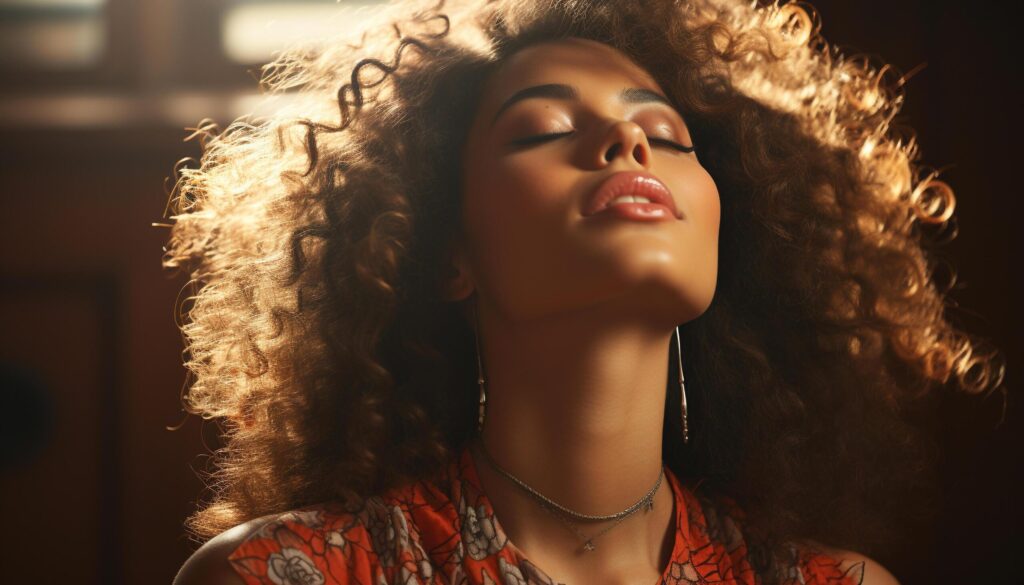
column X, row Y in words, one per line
column 627, row 140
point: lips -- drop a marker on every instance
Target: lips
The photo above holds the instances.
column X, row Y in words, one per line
column 630, row 183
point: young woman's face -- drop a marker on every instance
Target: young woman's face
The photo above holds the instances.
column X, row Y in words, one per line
column 531, row 244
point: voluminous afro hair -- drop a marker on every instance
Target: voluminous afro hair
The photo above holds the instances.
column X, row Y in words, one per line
column 315, row 236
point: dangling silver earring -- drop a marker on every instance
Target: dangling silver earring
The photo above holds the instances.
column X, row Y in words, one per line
column 480, row 374
column 682, row 388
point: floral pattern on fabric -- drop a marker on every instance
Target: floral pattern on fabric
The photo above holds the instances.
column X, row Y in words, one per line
column 292, row 567
column 445, row 532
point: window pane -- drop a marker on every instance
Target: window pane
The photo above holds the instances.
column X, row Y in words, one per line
column 51, row 34
column 253, row 31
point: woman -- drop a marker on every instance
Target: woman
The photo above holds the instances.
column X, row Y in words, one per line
column 450, row 346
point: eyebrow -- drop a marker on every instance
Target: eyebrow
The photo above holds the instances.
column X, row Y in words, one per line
column 559, row 91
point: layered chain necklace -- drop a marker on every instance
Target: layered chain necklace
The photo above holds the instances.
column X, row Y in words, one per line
column 560, row 512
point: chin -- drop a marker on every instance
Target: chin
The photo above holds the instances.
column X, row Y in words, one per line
column 675, row 297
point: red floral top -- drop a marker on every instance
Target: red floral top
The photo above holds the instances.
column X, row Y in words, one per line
column 445, row 532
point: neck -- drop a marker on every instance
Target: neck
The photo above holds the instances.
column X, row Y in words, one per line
column 575, row 409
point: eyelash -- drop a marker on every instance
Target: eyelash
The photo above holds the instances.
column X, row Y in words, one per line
column 530, row 140
column 671, row 144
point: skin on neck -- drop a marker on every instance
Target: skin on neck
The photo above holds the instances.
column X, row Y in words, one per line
column 576, row 315
column 559, row 419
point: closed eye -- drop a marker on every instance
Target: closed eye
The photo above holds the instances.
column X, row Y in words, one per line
column 670, row 144
column 541, row 138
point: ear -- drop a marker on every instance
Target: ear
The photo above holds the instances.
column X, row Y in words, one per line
column 456, row 278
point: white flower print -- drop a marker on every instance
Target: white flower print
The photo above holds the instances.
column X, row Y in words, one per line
column 426, row 569
column 336, row 538
column 401, row 526
column 380, row 521
column 312, row 518
column 292, row 567
column 479, row 531
column 458, row 576
column 683, row 573
column 510, row 574
column 792, row 573
column 423, row 564
column 407, row 577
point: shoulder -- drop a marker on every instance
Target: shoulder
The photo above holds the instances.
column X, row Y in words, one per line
column 308, row 542
column 717, row 518
column 873, row 573
column 856, row 567
column 325, row 543
column 210, row 565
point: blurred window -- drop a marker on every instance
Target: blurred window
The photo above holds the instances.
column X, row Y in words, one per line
column 51, row 34
column 252, row 30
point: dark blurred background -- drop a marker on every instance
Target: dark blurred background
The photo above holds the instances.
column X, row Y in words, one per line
column 95, row 99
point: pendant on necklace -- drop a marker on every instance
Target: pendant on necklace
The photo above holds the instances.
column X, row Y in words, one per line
column 650, row 504
column 589, row 545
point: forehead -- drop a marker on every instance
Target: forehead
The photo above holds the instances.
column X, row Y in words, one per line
column 570, row 61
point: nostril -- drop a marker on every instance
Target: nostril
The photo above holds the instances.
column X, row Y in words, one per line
column 638, row 153
column 611, row 153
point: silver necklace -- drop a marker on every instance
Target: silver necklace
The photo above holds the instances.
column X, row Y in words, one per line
column 551, row 506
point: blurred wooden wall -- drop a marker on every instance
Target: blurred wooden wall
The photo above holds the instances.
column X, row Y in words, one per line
column 87, row 315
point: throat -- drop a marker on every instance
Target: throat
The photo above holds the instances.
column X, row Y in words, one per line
column 571, row 550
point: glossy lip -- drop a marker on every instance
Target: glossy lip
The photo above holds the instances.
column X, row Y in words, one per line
column 630, row 183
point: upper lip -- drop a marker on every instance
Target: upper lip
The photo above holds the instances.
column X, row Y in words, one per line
column 630, row 183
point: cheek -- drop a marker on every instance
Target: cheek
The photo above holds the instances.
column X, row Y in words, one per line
column 697, row 266
column 708, row 212
column 514, row 199
column 702, row 199
column 709, row 208
column 712, row 206
column 517, row 214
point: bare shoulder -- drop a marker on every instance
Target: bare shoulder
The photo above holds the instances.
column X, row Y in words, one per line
column 209, row 565
column 874, row 573
column 854, row 563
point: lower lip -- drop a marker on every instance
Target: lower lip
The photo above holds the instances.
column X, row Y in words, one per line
column 637, row 211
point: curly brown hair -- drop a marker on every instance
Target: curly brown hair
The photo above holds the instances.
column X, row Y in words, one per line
column 315, row 240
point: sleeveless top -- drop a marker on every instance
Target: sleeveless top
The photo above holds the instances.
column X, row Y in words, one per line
column 444, row 531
